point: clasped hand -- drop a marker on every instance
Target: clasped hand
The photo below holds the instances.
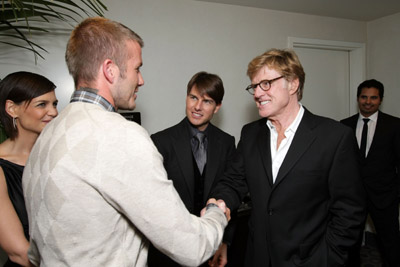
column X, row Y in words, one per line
column 221, row 204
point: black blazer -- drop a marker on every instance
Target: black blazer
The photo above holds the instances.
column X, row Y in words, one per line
column 380, row 170
column 174, row 145
column 313, row 213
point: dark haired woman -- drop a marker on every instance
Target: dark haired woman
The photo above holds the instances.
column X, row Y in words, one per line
column 27, row 104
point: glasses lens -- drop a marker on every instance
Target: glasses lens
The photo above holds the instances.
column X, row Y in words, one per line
column 265, row 85
column 250, row 89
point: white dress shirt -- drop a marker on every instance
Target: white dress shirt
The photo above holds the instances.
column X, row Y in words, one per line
column 371, row 129
column 279, row 154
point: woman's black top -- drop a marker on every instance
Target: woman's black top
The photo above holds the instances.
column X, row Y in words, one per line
column 13, row 176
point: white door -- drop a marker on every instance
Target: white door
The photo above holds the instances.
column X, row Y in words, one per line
column 326, row 89
column 333, row 71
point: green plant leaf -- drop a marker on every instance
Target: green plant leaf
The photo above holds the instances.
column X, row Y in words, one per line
column 20, row 19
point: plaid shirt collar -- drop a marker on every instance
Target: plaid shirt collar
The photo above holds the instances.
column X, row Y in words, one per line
column 89, row 95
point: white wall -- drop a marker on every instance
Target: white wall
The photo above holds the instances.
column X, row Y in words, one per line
column 183, row 37
column 384, row 59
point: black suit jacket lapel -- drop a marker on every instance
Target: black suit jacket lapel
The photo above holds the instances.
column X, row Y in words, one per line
column 302, row 140
column 379, row 133
column 263, row 139
column 183, row 151
column 213, row 155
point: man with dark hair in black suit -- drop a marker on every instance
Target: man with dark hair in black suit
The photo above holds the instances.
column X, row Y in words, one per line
column 196, row 154
column 378, row 136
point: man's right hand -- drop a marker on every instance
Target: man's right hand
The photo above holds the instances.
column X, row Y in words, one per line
column 221, row 204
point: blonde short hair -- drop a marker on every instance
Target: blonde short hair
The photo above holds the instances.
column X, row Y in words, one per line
column 284, row 61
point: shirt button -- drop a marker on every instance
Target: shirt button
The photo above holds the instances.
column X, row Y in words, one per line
column 270, row 211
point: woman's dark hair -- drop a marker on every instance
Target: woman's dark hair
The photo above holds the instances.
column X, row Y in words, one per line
column 20, row 87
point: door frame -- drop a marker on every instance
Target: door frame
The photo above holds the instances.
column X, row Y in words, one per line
column 357, row 58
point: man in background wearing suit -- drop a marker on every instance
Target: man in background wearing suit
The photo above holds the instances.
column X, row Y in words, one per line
column 380, row 165
column 196, row 153
column 308, row 202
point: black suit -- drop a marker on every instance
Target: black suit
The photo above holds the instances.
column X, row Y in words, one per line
column 313, row 212
column 381, row 176
column 174, row 145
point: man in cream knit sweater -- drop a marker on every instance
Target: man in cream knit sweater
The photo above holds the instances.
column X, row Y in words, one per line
column 95, row 187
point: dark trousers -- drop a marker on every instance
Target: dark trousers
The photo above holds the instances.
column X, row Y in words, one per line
column 386, row 223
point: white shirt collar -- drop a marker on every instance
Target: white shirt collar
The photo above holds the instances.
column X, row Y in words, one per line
column 373, row 117
column 294, row 125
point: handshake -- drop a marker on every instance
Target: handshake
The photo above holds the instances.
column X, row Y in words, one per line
column 212, row 202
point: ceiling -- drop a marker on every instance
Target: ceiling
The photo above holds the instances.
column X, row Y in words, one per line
column 361, row 10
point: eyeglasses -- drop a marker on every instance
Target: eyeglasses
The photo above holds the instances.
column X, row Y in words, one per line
column 265, row 85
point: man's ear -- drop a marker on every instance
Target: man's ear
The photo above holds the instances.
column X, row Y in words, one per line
column 12, row 109
column 294, row 86
column 217, row 107
column 110, row 70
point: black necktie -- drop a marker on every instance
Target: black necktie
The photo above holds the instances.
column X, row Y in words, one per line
column 363, row 144
column 200, row 152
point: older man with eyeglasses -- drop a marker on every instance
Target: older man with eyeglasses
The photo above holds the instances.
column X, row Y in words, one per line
column 300, row 170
